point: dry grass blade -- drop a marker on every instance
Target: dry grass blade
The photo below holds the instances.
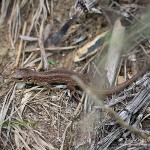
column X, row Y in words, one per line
column 14, row 23
column 41, row 45
column 41, row 142
column 32, row 138
column 18, row 138
column 52, row 10
column 4, row 9
column 115, row 50
column 6, row 105
column 20, row 45
column 27, row 38
column 40, row 13
column 25, row 101
column 64, row 135
column 53, row 49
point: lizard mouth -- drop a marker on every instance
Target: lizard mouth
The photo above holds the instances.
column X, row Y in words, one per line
column 17, row 79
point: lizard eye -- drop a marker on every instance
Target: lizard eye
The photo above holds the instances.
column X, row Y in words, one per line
column 19, row 79
column 29, row 79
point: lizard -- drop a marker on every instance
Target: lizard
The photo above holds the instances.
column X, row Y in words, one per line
column 58, row 76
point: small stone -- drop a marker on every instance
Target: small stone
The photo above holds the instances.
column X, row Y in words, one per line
column 20, row 85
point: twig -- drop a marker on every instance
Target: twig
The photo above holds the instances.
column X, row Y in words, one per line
column 20, row 45
column 53, row 49
column 41, row 45
column 64, row 135
column 79, row 107
column 52, row 11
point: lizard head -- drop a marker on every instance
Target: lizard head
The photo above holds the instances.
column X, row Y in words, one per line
column 20, row 74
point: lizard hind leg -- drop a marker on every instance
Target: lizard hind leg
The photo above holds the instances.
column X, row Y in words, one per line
column 74, row 92
column 76, row 95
